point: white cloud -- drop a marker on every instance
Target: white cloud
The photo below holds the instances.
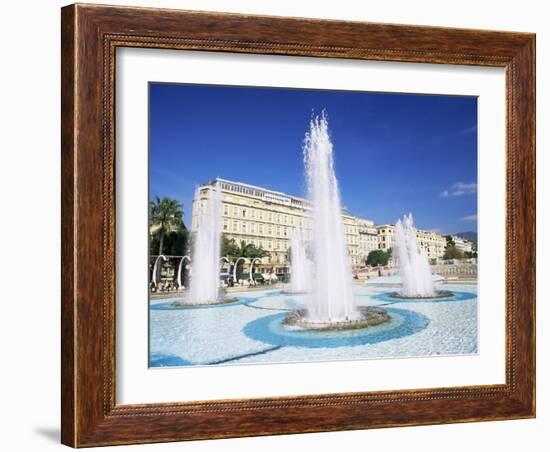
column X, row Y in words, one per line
column 459, row 189
column 469, row 218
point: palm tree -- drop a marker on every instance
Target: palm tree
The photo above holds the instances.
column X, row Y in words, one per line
column 165, row 215
column 249, row 250
column 233, row 250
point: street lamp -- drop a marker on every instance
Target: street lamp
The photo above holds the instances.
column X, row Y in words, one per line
column 252, row 261
column 180, row 268
column 155, row 267
column 235, row 268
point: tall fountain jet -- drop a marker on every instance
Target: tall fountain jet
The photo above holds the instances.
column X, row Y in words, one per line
column 300, row 264
column 331, row 299
column 206, row 249
column 416, row 277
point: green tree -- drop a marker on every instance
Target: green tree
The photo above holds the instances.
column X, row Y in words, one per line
column 452, row 252
column 450, row 241
column 165, row 216
column 377, row 257
column 176, row 243
column 473, row 253
column 234, row 250
column 231, row 249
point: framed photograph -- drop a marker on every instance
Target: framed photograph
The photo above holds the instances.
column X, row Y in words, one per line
column 282, row 225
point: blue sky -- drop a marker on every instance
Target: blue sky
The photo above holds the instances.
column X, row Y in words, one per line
column 394, row 153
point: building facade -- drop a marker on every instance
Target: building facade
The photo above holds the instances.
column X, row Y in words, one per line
column 368, row 238
column 268, row 218
column 432, row 243
column 462, row 244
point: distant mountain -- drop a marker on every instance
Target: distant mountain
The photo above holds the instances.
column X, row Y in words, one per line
column 469, row 235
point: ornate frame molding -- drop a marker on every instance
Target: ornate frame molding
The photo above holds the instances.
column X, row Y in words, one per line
column 90, row 37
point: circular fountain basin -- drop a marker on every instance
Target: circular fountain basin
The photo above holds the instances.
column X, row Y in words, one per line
column 452, row 297
column 272, row 330
column 369, row 316
column 437, row 294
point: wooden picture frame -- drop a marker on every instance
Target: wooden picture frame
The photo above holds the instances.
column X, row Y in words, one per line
column 90, row 35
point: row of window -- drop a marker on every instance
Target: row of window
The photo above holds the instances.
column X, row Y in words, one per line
column 270, row 197
column 240, row 189
column 276, row 245
column 270, row 230
column 255, row 228
column 240, row 212
column 285, row 219
column 272, row 217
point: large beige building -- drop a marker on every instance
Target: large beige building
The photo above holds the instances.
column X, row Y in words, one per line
column 267, row 219
column 432, row 243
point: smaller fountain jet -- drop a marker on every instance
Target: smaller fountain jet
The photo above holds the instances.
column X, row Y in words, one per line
column 414, row 268
column 206, row 250
column 206, row 255
column 300, row 264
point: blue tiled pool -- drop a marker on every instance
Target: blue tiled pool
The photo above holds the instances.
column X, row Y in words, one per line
column 250, row 330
